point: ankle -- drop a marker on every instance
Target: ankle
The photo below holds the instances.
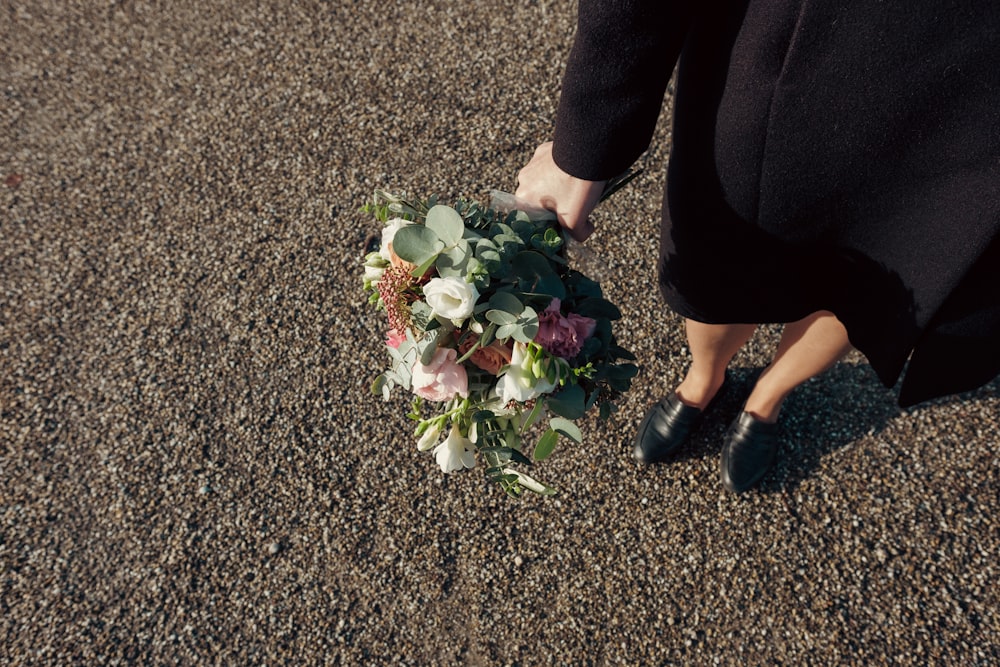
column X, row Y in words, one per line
column 698, row 392
column 765, row 409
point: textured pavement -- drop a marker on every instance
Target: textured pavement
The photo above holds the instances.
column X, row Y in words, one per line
column 192, row 469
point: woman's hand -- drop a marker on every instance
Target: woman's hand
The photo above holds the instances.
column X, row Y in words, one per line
column 542, row 183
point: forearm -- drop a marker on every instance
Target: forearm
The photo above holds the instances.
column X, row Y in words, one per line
column 616, row 76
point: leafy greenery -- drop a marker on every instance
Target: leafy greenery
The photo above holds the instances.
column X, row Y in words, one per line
column 518, row 268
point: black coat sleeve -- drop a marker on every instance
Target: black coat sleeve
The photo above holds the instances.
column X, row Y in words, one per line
column 616, row 76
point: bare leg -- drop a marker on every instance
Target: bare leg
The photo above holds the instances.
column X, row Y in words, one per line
column 712, row 348
column 807, row 348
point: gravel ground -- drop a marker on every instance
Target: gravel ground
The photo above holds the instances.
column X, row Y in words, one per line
column 194, row 472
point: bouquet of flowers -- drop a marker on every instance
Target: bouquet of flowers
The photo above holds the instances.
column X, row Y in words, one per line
column 489, row 324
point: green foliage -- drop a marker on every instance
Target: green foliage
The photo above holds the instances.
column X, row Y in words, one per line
column 598, row 308
column 446, row 223
column 518, row 266
column 568, row 402
column 546, row 444
column 567, row 428
column 535, row 275
column 417, row 244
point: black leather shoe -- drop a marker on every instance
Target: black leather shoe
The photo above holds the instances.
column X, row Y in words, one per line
column 748, row 452
column 667, row 425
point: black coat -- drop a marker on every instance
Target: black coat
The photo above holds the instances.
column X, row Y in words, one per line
column 841, row 155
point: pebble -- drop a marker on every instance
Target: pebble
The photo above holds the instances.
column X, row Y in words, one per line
column 180, row 300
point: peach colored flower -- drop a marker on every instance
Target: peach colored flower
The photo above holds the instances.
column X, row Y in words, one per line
column 399, row 262
column 490, row 358
column 563, row 335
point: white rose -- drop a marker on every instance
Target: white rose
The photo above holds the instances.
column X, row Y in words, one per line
column 451, row 298
column 388, row 233
column 455, row 453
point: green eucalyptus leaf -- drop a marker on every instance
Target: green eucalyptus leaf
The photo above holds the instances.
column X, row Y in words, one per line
column 483, row 245
column 453, row 261
column 472, row 234
column 489, row 256
column 396, row 353
column 427, row 354
column 533, row 416
column 591, row 346
column 529, row 265
column 502, row 229
column 446, row 223
column 507, row 302
column 416, row 244
column 524, row 228
column 569, row 402
column 422, row 314
column 536, row 275
column 581, row 286
column 507, row 330
column 508, row 245
column 424, row 267
column 621, row 352
column 482, row 415
column 534, row 485
column 519, row 334
column 546, row 444
column 623, row 371
column 501, row 317
column 501, row 456
column 550, row 285
column 496, row 455
column 567, row 428
column 528, row 322
column 488, row 336
column 518, row 457
column 476, row 267
column 597, row 308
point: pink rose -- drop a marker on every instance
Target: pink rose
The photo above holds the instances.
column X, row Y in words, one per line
column 441, row 379
column 491, row 358
column 562, row 335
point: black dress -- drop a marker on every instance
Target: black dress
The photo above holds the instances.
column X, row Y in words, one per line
column 838, row 155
